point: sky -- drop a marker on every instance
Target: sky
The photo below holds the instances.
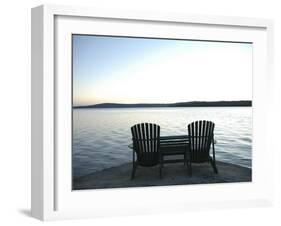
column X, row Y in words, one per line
column 109, row 69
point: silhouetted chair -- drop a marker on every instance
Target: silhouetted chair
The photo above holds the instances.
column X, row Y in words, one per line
column 201, row 136
column 146, row 143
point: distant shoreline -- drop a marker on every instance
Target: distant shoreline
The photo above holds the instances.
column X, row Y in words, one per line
column 240, row 103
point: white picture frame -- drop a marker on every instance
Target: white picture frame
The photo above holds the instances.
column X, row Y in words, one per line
column 52, row 197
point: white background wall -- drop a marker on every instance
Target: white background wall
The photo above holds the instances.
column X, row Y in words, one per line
column 15, row 111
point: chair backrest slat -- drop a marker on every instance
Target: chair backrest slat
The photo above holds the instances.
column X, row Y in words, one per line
column 200, row 137
column 146, row 142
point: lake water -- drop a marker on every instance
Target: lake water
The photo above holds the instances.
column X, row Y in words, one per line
column 101, row 136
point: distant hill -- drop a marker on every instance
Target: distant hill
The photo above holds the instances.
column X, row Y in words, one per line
column 240, row 103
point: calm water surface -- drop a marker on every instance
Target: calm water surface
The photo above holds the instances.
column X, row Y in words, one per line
column 101, row 136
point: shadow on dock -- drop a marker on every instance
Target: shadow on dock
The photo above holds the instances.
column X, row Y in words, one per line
column 173, row 174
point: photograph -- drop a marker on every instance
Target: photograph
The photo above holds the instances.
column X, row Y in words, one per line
column 150, row 111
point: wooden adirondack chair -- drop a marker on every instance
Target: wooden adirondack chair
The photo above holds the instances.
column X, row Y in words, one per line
column 146, row 143
column 201, row 136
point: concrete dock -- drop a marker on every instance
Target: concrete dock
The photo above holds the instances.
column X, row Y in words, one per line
column 173, row 174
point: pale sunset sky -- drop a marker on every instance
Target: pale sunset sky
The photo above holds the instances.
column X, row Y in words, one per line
column 142, row 70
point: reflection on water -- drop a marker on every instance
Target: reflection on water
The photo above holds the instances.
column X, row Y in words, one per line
column 101, row 136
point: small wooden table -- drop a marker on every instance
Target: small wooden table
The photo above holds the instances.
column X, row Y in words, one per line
column 173, row 146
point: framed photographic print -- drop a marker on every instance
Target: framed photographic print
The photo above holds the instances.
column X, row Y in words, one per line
column 137, row 112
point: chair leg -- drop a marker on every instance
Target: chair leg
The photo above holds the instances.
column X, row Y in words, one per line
column 213, row 163
column 213, row 160
column 134, row 171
